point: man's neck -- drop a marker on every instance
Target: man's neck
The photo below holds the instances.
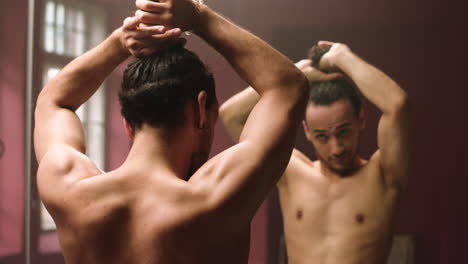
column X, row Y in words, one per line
column 160, row 150
column 333, row 174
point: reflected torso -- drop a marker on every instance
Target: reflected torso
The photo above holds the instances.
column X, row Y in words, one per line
column 344, row 220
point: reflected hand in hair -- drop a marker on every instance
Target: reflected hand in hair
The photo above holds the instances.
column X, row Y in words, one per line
column 328, row 60
column 143, row 40
column 313, row 74
column 181, row 14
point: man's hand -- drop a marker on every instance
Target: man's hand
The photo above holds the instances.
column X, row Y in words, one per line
column 181, row 14
column 142, row 40
column 313, row 74
column 328, row 62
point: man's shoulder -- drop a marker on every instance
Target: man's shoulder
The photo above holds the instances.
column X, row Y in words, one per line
column 61, row 160
column 298, row 166
column 60, row 169
column 300, row 163
column 298, row 156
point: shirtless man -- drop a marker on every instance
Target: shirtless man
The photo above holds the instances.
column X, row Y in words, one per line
column 340, row 208
column 166, row 203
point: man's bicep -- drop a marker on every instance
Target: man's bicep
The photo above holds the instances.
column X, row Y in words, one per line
column 56, row 125
column 272, row 128
column 394, row 146
column 239, row 179
column 272, row 123
column 250, row 169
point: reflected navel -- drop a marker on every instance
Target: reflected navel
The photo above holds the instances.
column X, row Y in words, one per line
column 360, row 219
column 299, row 214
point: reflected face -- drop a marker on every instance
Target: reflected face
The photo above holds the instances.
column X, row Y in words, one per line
column 334, row 130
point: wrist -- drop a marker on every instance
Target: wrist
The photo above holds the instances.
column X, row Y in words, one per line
column 117, row 41
column 201, row 18
column 344, row 58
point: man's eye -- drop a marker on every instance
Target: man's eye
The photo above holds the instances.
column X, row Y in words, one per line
column 343, row 133
column 321, row 137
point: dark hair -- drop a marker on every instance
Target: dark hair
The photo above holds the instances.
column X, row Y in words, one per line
column 316, row 52
column 156, row 88
column 328, row 92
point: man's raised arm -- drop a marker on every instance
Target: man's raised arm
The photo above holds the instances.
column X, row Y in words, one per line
column 56, row 123
column 243, row 175
column 394, row 130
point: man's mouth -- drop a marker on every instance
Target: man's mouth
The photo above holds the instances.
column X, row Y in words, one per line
column 339, row 158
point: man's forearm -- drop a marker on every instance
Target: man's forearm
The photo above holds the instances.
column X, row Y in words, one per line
column 258, row 63
column 375, row 85
column 235, row 111
column 78, row 81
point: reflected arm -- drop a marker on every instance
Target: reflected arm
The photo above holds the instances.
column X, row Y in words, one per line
column 394, row 128
column 235, row 111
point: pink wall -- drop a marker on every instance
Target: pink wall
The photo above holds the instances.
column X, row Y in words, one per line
column 12, row 91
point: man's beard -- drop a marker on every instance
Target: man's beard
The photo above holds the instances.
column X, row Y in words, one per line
column 344, row 171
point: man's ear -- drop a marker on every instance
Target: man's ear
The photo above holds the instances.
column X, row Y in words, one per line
column 128, row 129
column 362, row 118
column 306, row 130
column 201, row 119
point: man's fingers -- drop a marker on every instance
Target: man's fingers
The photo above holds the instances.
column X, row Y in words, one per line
column 325, row 43
column 169, row 34
column 146, row 51
column 149, row 18
column 332, row 76
column 151, row 6
column 146, row 30
column 302, row 64
column 314, row 75
column 131, row 23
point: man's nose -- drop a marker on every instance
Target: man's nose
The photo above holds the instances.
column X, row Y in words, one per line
column 338, row 149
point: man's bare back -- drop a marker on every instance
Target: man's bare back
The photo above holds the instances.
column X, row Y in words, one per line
column 336, row 219
column 167, row 203
column 139, row 216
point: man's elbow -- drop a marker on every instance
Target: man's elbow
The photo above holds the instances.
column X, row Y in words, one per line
column 232, row 120
column 45, row 105
column 301, row 93
column 400, row 104
column 228, row 113
column 403, row 103
column 48, row 98
column 224, row 111
column 297, row 83
column 43, row 102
